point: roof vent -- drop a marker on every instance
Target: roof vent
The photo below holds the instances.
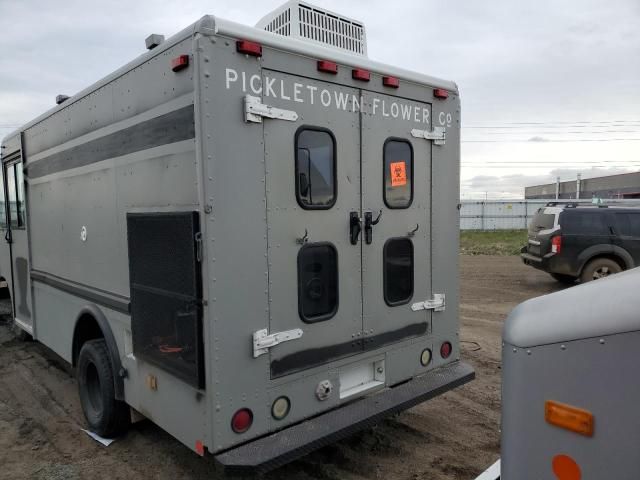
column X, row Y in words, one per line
column 307, row 22
column 61, row 98
column 153, row 40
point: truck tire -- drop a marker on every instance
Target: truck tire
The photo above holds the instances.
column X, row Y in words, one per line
column 599, row 268
column 567, row 279
column 105, row 415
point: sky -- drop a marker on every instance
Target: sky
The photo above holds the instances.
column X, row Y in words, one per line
column 549, row 89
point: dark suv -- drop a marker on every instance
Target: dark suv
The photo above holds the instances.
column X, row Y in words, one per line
column 583, row 242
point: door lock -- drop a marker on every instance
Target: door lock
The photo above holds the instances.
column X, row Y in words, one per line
column 369, row 222
column 354, row 227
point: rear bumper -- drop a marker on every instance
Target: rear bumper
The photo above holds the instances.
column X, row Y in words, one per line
column 294, row 442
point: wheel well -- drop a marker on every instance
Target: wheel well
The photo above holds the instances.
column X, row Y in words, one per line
column 609, row 256
column 87, row 328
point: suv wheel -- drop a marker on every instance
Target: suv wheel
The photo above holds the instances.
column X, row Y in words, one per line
column 568, row 279
column 599, row 268
column 105, row 415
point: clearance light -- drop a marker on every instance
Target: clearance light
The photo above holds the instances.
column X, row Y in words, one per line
column 566, row 468
column 242, row 420
column 392, row 82
column 327, row 66
column 360, row 74
column 556, row 244
column 249, row 48
column 180, row 63
column 568, row 417
column 445, row 350
column 440, row 93
column 280, row 408
column 425, row 357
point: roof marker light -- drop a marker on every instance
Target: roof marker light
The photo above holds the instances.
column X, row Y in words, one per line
column 440, row 93
column 180, row 63
column 361, row 74
column 249, row 48
column 392, row 82
column 327, row 66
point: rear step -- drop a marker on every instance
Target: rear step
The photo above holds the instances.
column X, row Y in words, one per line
column 282, row 447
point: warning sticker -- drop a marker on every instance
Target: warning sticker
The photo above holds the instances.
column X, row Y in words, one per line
column 398, row 174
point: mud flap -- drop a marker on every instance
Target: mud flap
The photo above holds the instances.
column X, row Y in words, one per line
column 282, row 447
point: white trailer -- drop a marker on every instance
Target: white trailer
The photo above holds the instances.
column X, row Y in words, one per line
column 247, row 235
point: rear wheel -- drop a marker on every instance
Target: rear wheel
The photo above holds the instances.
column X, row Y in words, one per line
column 599, row 268
column 105, row 415
column 568, row 279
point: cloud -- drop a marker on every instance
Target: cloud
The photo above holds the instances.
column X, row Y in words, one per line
column 538, row 139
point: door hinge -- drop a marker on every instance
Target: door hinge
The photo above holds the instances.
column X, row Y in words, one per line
column 437, row 304
column 438, row 135
column 262, row 341
column 254, row 110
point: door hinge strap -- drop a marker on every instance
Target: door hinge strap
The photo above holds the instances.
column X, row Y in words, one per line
column 437, row 304
column 262, row 341
column 254, row 110
column 438, row 135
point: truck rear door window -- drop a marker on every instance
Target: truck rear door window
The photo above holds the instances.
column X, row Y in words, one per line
column 315, row 168
column 398, row 271
column 317, row 282
column 398, row 173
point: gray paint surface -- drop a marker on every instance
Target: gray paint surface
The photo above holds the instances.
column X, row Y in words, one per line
column 603, row 307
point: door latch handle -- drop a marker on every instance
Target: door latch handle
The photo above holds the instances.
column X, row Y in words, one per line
column 369, row 222
column 8, row 237
column 354, row 227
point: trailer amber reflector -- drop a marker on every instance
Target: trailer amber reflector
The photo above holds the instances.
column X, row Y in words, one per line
column 440, row 93
column 569, row 417
column 360, row 74
column 566, row 468
column 327, row 66
column 242, row 420
column 249, row 48
column 392, row 82
column 180, row 63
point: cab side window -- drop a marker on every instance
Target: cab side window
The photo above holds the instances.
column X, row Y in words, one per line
column 15, row 195
column 398, row 173
column 315, row 170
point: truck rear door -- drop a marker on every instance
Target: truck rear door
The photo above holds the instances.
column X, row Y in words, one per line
column 312, row 186
column 396, row 195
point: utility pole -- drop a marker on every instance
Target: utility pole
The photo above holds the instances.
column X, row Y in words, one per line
column 578, row 186
column 557, row 188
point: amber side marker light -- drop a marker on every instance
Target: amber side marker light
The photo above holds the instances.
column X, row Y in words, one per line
column 569, row 417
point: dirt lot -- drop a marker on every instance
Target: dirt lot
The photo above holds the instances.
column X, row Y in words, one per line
column 453, row 437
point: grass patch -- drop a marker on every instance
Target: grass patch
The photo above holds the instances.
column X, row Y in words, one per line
column 495, row 242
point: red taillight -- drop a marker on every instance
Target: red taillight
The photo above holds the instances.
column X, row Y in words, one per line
column 440, row 93
column 249, row 48
column 242, row 420
column 445, row 350
column 360, row 74
column 327, row 66
column 556, row 244
column 392, row 82
column 180, row 63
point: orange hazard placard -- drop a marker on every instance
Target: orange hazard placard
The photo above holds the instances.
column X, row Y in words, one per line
column 398, row 174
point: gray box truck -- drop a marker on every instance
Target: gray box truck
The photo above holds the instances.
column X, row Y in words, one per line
column 247, row 235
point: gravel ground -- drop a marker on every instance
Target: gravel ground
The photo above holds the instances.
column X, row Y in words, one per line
column 454, row 436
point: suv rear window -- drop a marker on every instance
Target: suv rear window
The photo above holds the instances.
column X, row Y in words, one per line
column 584, row 222
column 542, row 221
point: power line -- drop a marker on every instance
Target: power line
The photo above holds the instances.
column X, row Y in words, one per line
column 564, row 140
column 566, row 123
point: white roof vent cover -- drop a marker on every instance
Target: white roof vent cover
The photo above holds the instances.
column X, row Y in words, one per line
column 307, row 22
